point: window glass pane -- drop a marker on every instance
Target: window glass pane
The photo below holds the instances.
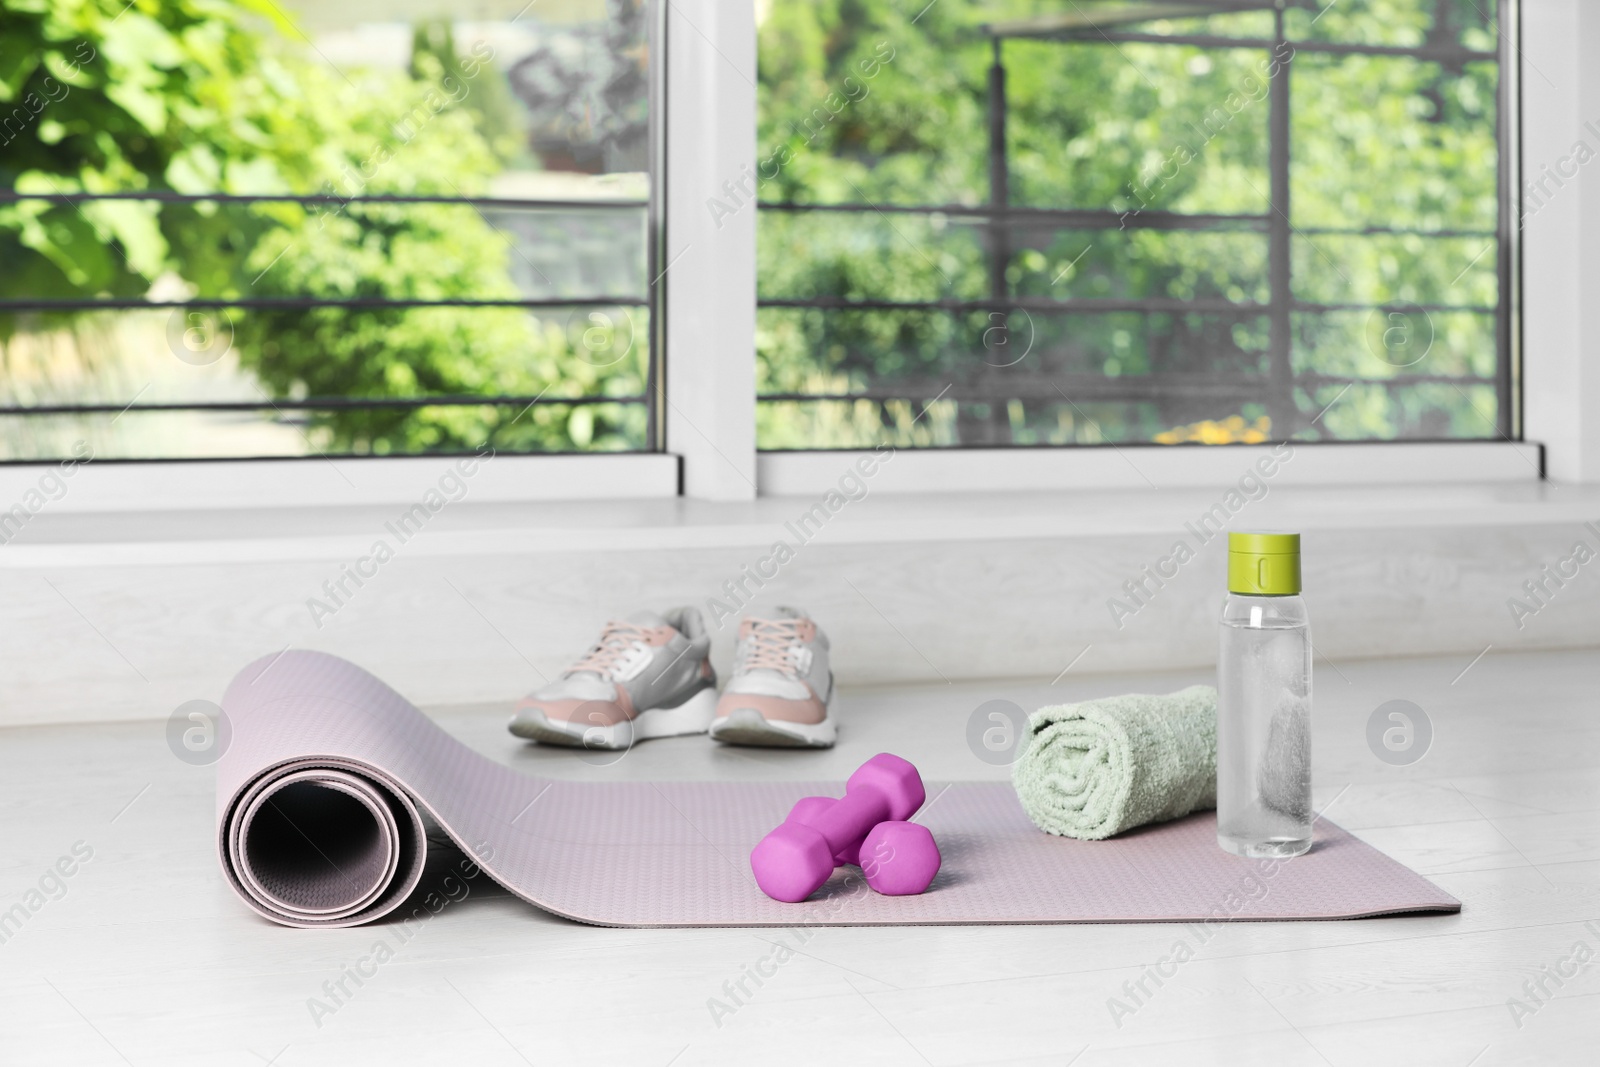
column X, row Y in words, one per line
column 1334, row 268
column 857, row 104
column 1201, row 150
column 1083, row 225
column 1407, row 340
column 382, row 200
column 1402, row 23
column 1021, row 377
column 1221, row 264
column 1424, row 137
column 870, row 254
column 438, row 250
column 1427, row 411
column 313, row 372
column 287, row 432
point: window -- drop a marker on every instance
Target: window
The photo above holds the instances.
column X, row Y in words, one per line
column 1027, row 223
column 258, row 229
column 406, row 228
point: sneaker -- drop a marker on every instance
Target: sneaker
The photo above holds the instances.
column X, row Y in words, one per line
column 781, row 686
column 649, row 676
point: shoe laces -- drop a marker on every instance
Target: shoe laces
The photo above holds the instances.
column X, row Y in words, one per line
column 770, row 641
column 616, row 641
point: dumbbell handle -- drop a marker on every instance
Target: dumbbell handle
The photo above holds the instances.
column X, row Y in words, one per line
column 848, row 820
column 806, row 811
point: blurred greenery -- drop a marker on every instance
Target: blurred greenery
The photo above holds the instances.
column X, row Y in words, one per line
column 435, row 57
column 860, row 101
column 222, row 96
column 880, row 103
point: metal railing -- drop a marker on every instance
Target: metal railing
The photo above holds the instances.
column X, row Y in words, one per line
column 26, row 305
column 1275, row 389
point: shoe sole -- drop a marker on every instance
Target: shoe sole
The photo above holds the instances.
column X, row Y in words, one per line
column 693, row 716
column 746, row 726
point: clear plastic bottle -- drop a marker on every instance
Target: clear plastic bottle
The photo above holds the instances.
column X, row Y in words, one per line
column 1264, row 701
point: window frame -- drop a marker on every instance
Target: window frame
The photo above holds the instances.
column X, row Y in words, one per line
column 703, row 96
column 201, row 481
column 996, row 220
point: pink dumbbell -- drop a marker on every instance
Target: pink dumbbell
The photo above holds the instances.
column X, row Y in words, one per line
column 902, row 858
column 899, row 858
column 794, row 860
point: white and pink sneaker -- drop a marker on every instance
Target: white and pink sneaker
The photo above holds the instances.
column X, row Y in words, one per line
column 648, row 676
column 781, row 687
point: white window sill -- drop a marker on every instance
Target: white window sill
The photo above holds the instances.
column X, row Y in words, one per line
column 469, row 529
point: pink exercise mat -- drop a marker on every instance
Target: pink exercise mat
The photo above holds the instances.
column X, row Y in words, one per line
column 320, row 792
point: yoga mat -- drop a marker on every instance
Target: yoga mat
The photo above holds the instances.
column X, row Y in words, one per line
column 321, row 791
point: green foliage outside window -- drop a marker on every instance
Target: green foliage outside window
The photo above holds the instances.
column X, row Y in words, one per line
column 867, row 101
column 207, row 96
column 1376, row 141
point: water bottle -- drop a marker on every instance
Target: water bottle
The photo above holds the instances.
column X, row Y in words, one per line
column 1264, row 701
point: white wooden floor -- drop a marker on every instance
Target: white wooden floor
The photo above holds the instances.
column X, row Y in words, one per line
column 142, row 956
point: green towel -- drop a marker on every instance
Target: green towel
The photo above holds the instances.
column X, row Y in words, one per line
column 1098, row 768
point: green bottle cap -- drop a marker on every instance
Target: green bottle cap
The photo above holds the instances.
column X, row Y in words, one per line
column 1263, row 564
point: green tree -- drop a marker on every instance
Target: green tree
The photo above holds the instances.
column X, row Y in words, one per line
column 98, row 99
column 1377, row 141
column 214, row 96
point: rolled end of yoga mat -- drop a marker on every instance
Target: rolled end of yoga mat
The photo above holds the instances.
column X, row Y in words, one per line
column 1099, row 768
column 314, row 839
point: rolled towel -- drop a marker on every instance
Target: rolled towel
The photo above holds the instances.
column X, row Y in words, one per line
column 1098, row 768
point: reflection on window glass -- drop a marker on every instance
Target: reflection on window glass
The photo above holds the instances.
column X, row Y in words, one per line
column 373, row 227
column 1013, row 222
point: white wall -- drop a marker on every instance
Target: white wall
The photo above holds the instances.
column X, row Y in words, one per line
column 126, row 620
